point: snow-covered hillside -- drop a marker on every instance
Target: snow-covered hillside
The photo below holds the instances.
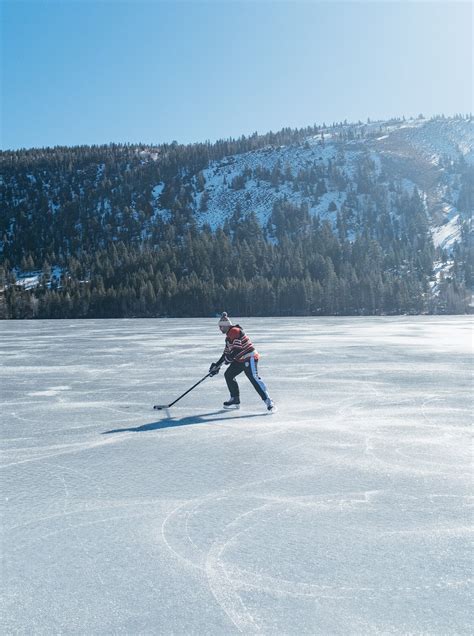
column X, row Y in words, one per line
column 258, row 195
column 414, row 153
column 400, row 192
column 434, row 139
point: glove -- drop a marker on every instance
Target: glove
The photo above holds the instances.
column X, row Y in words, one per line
column 214, row 369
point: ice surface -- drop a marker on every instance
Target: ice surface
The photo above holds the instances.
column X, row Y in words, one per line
column 347, row 512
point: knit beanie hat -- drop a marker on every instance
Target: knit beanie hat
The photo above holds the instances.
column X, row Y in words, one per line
column 224, row 320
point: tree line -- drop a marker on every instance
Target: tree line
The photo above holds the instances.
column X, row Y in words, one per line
column 310, row 270
column 94, row 213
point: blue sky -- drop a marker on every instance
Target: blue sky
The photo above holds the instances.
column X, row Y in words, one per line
column 91, row 72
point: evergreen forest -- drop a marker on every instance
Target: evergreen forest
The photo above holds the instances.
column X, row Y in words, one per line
column 115, row 231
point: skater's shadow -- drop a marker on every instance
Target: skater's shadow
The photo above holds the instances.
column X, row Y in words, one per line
column 171, row 422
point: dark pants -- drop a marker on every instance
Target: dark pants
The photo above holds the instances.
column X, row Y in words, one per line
column 249, row 367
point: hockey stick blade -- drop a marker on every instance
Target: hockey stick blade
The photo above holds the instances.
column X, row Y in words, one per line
column 160, row 407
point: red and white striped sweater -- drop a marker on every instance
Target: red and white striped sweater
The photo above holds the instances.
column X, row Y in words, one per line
column 238, row 346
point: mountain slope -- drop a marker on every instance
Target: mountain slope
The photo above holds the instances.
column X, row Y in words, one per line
column 401, row 191
column 416, row 154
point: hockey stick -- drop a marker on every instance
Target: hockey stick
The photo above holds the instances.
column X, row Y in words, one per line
column 160, row 407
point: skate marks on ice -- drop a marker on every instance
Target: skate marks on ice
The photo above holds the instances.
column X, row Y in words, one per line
column 251, row 548
column 347, row 514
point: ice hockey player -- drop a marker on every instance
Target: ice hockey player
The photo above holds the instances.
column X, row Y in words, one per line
column 240, row 355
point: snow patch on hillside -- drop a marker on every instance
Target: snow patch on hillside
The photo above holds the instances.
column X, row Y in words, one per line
column 446, row 235
column 443, row 138
column 243, row 182
column 32, row 279
column 259, row 195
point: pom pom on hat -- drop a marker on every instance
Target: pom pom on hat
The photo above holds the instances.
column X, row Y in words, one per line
column 224, row 320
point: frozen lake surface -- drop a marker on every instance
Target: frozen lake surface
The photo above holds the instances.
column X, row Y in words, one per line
column 347, row 512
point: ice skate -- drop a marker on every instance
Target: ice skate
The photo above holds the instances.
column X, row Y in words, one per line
column 271, row 407
column 232, row 403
